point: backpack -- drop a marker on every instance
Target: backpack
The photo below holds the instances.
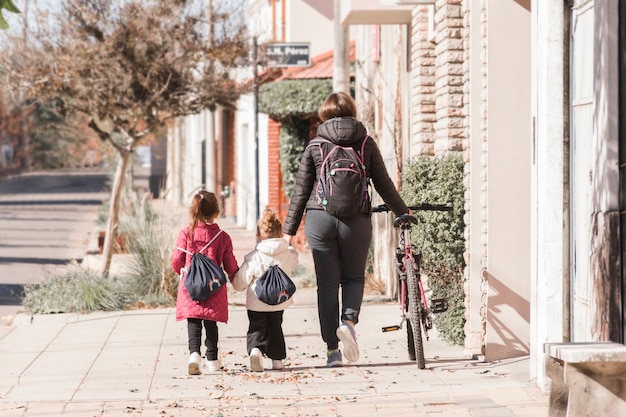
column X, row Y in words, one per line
column 274, row 286
column 204, row 277
column 342, row 188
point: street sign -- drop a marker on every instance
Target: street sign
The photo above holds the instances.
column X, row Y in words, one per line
column 288, row 54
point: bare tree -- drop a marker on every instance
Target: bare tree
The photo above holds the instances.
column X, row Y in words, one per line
column 9, row 6
column 130, row 65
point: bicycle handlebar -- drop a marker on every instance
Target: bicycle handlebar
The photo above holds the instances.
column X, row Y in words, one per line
column 420, row 207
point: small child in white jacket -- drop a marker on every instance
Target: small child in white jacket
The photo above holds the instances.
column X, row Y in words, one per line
column 265, row 334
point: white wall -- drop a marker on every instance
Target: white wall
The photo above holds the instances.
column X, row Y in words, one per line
column 245, row 190
column 549, row 217
column 508, row 180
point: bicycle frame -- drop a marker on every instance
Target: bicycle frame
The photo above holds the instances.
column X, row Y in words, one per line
column 413, row 301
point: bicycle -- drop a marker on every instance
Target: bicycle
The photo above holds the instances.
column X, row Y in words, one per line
column 414, row 306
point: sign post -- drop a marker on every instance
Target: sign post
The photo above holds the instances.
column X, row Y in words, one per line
column 288, row 54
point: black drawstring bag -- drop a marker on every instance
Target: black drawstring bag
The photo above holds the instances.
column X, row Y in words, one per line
column 274, row 286
column 203, row 277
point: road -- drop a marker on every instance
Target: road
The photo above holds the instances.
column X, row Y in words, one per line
column 46, row 219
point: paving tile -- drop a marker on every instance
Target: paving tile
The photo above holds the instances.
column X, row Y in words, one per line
column 135, row 363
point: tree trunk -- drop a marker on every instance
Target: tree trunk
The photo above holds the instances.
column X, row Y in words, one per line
column 114, row 210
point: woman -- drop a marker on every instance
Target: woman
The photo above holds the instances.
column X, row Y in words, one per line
column 339, row 245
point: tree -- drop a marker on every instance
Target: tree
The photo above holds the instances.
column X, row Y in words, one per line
column 9, row 6
column 131, row 66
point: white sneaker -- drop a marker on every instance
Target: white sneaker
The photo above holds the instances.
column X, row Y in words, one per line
column 277, row 364
column 194, row 363
column 256, row 360
column 347, row 336
column 213, row 366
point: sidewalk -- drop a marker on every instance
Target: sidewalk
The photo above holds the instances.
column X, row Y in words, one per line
column 133, row 363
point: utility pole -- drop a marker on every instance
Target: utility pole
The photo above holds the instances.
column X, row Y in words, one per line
column 255, row 81
column 341, row 54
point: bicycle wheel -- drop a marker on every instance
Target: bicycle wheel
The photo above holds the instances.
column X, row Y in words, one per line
column 409, row 330
column 415, row 312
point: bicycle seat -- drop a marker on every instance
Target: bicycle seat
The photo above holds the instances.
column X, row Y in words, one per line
column 404, row 220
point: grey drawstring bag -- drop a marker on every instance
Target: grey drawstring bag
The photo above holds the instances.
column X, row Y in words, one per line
column 203, row 277
column 274, row 286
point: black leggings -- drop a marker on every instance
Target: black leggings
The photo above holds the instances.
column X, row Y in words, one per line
column 194, row 333
column 339, row 248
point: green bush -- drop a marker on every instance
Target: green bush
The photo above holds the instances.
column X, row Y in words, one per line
column 293, row 98
column 439, row 235
column 149, row 280
column 294, row 136
column 77, row 290
column 150, row 239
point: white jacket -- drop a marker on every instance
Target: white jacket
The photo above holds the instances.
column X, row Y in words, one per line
column 268, row 252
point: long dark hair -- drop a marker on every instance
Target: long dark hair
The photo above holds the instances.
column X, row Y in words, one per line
column 204, row 206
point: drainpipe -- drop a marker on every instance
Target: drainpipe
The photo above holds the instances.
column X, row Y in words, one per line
column 622, row 159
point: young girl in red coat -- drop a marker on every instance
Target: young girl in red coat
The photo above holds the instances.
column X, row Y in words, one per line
column 201, row 230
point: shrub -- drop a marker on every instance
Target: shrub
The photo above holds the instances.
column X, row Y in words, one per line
column 150, row 239
column 149, row 281
column 76, row 290
column 294, row 136
column 440, row 235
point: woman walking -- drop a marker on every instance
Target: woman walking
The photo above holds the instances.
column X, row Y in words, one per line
column 339, row 245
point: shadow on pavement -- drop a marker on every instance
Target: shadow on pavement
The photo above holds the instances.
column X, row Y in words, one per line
column 11, row 294
column 42, row 261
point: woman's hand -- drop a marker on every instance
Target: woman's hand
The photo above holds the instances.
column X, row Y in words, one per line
column 289, row 239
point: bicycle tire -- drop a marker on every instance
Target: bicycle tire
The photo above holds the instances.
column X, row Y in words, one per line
column 410, row 342
column 415, row 311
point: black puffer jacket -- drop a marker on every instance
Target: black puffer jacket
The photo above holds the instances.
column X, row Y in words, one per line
column 344, row 131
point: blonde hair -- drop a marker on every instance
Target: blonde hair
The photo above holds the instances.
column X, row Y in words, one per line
column 337, row 105
column 204, row 207
column 269, row 226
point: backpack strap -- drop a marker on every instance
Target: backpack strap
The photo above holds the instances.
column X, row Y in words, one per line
column 205, row 246
column 363, row 146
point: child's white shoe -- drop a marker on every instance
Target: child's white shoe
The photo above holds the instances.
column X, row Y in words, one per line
column 213, row 366
column 256, row 360
column 194, row 363
column 277, row 364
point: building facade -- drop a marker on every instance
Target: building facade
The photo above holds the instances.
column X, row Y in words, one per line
column 528, row 92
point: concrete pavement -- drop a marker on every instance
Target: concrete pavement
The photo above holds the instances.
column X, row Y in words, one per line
column 135, row 363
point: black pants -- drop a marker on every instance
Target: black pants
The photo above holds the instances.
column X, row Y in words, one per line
column 266, row 333
column 194, row 333
column 339, row 248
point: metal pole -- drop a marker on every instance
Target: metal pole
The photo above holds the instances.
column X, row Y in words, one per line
column 256, row 122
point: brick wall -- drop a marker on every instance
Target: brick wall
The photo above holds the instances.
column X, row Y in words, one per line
column 422, row 84
column 275, row 182
column 440, row 71
column 449, row 87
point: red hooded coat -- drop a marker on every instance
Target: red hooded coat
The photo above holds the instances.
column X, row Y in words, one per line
column 214, row 308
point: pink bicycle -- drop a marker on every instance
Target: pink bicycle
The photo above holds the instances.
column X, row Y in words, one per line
column 414, row 306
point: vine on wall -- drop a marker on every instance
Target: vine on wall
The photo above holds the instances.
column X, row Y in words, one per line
column 294, row 104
